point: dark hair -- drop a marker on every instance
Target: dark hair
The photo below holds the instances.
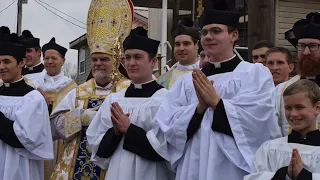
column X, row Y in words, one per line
column 230, row 30
column 304, row 86
column 37, row 49
column 262, row 44
column 194, row 40
column 282, row 50
column 151, row 56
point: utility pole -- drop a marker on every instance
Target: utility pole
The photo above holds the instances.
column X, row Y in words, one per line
column 19, row 15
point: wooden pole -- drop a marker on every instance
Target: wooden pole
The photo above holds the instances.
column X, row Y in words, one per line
column 19, row 17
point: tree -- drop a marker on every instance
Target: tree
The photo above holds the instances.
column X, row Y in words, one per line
column 70, row 70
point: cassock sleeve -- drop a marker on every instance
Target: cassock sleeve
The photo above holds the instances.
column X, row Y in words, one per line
column 50, row 106
column 97, row 130
column 108, row 144
column 32, row 127
column 136, row 142
column 219, row 124
column 194, row 124
column 220, row 120
column 7, row 134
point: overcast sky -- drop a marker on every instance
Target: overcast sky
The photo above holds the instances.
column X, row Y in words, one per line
column 45, row 25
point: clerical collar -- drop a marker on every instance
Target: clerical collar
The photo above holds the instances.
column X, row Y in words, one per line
column 144, row 90
column 17, row 88
column 35, row 69
column 140, row 86
column 107, row 87
column 12, row 84
column 312, row 138
column 54, row 78
column 188, row 67
column 32, row 67
column 212, row 68
column 218, row 64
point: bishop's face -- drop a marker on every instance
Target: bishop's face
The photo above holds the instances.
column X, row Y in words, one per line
column 300, row 112
column 101, row 64
column 53, row 62
column 10, row 70
column 139, row 65
column 309, row 57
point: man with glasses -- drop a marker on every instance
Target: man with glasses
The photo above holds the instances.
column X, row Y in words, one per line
column 212, row 121
column 305, row 37
column 259, row 51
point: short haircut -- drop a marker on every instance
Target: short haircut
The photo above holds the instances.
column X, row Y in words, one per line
column 194, row 40
column 151, row 56
column 304, row 86
column 282, row 50
column 231, row 29
column 37, row 49
column 262, row 44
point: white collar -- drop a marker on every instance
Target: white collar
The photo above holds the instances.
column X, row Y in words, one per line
column 8, row 84
column 218, row 64
column 107, row 87
column 31, row 68
column 139, row 86
column 188, row 67
column 54, row 78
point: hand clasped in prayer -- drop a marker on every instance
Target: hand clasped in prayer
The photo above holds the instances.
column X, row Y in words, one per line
column 295, row 165
column 205, row 91
column 120, row 121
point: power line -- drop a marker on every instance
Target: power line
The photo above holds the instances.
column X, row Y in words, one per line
column 8, row 6
column 61, row 12
column 59, row 15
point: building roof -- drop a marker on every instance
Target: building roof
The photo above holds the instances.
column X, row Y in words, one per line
column 140, row 19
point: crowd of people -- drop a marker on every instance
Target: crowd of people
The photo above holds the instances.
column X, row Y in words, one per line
column 212, row 116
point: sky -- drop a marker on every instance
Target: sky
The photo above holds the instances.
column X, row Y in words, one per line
column 45, row 25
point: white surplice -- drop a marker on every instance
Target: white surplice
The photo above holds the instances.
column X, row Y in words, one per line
column 32, row 127
column 125, row 165
column 275, row 154
column 49, row 83
column 247, row 96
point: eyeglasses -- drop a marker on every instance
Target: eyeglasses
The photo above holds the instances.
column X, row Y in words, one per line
column 257, row 56
column 214, row 30
column 311, row 46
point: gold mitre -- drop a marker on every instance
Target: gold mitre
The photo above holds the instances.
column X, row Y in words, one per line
column 108, row 19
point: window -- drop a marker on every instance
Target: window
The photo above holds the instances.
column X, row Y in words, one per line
column 82, row 60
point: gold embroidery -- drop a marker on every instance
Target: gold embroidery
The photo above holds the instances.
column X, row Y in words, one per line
column 68, row 158
column 72, row 123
